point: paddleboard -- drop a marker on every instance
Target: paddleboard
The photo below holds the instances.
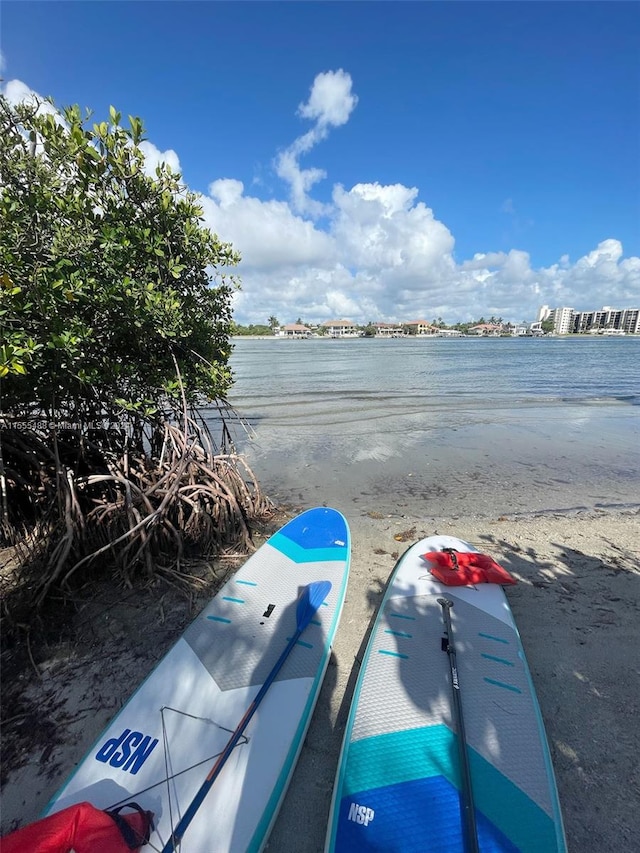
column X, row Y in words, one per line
column 399, row 785
column 160, row 747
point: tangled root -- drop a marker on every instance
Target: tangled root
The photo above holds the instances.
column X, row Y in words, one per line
column 76, row 504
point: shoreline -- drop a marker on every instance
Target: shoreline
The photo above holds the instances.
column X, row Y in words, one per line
column 576, row 606
column 445, row 336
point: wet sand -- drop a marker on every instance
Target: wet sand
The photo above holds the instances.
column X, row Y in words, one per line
column 577, row 606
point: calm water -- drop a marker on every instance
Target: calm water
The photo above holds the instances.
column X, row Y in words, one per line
column 442, row 428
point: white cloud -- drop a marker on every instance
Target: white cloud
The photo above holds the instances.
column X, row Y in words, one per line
column 380, row 254
column 384, row 256
column 268, row 234
column 17, row 92
column 330, row 104
column 484, row 261
column 382, row 228
column 3, row 62
column 331, row 101
column 153, row 157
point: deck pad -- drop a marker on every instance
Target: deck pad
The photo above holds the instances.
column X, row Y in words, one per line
column 398, row 783
column 160, row 747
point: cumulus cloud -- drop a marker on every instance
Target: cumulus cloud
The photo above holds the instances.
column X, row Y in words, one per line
column 268, row 234
column 380, row 253
column 17, row 92
column 384, row 229
column 331, row 101
column 153, row 157
column 330, row 104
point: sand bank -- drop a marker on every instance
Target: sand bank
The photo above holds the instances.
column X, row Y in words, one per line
column 577, row 605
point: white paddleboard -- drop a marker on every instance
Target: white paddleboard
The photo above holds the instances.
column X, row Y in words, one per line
column 399, row 783
column 160, row 747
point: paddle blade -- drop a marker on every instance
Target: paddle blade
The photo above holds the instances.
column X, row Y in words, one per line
column 312, row 597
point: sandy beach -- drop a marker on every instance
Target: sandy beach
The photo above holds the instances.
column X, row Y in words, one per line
column 577, row 605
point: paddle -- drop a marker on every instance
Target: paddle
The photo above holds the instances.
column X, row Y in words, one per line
column 310, row 599
column 469, row 813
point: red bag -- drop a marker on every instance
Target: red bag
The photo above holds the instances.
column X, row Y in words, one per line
column 83, row 829
column 460, row 568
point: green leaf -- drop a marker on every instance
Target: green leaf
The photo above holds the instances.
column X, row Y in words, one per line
column 100, row 287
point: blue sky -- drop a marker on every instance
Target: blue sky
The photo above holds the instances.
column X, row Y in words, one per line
column 472, row 158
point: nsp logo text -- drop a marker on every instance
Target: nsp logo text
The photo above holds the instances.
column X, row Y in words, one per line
column 361, row 814
column 129, row 751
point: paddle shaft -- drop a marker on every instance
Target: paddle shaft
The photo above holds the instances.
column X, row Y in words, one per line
column 312, row 597
column 187, row 817
column 469, row 812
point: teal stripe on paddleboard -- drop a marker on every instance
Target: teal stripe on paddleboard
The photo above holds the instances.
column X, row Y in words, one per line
column 233, row 600
column 491, row 637
column 271, row 810
column 495, row 683
column 530, row 828
column 402, row 616
column 219, row 619
column 496, row 659
column 557, row 813
column 392, row 654
column 298, row 554
column 247, row 583
column 301, row 643
column 397, row 757
column 398, row 633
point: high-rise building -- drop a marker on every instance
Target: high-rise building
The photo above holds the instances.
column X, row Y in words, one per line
column 543, row 313
column 562, row 320
column 606, row 319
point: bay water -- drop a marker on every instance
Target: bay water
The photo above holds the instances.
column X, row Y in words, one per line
column 442, row 428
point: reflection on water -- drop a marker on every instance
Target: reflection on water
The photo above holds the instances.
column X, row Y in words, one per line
column 442, row 427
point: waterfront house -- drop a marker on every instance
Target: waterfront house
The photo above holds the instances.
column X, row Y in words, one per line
column 420, row 327
column 389, row 330
column 492, row 330
column 294, row 330
column 341, row 329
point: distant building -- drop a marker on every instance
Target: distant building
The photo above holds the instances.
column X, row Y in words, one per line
column 341, row 329
column 421, row 327
column 294, row 330
column 562, row 320
column 543, row 313
column 608, row 319
column 389, row 330
column 493, row 330
column 605, row 321
column 518, row 330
